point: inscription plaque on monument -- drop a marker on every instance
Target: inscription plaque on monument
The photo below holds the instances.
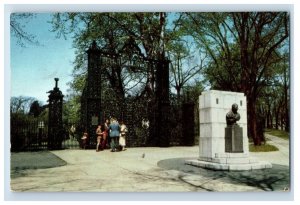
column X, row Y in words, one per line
column 233, row 132
column 233, row 138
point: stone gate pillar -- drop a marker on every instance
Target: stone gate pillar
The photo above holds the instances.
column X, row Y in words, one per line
column 55, row 126
column 162, row 117
column 91, row 97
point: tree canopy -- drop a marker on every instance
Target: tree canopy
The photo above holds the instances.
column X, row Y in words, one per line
column 245, row 49
column 234, row 51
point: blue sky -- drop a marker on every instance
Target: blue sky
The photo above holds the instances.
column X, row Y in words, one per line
column 34, row 68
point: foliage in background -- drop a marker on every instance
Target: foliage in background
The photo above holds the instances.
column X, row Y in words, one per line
column 245, row 50
column 18, row 31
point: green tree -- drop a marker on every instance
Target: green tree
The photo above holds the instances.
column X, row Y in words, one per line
column 71, row 109
column 243, row 48
column 146, row 33
column 18, row 29
column 274, row 98
column 185, row 64
column 35, row 109
column 21, row 104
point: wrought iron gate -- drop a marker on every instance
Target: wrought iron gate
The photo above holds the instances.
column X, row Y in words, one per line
column 147, row 127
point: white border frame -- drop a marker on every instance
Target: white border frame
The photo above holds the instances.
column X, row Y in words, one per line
column 169, row 196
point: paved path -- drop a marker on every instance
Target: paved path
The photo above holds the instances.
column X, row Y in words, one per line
column 151, row 169
column 279, row 157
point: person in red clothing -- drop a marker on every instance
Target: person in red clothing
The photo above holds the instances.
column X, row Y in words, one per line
column 100, row 133
column 104, row 137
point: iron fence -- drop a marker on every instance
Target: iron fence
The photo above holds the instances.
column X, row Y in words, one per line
column 32, row 135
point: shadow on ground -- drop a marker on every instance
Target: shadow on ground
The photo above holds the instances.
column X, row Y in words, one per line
column 275, row 179
column 21, row 161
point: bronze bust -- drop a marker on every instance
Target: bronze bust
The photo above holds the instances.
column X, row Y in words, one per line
column 233, row 116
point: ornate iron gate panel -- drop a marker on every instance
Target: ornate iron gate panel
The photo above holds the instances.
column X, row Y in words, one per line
column 150, row 127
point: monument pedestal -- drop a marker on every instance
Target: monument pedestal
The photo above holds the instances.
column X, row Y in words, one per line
column 216, row 152
column 229, row 162
column 234, row 139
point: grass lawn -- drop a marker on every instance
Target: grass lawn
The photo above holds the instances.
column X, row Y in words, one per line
column 262, row 148
column 267, row 147
column 278, row 133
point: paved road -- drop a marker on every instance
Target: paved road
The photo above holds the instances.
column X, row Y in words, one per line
column 150, row 170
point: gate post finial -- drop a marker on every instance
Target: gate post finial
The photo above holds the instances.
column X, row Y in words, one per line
column 56, row 82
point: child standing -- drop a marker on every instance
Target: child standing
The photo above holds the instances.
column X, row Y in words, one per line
column 84, row 140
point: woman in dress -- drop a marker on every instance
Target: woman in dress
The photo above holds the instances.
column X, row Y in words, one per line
column 122, row 140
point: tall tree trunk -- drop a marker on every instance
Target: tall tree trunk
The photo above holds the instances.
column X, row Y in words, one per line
column 282, row 118
column 287, row 116
column 269, row 118
column 178, row 90
column 253, row 128
column 277, row 118
column 162, row 22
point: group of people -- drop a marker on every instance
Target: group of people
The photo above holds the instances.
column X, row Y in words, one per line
column 111, row 134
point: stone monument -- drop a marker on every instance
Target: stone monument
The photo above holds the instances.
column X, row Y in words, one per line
column 223, row 145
